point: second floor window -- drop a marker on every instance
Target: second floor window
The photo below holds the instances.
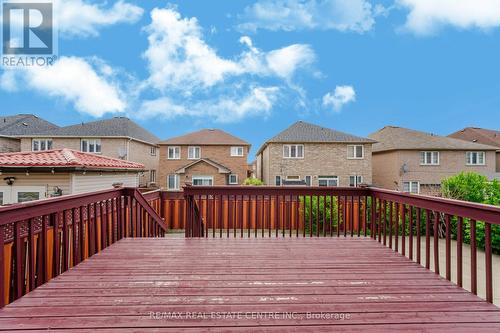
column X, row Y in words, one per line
column 475, row 158
column 41, row 144
column 152, row 176
column 174, row 153
column 277, row 181
column 91, row 145
column 355, row 152
column 293, row 151
column 153, row 151
column 194, row 153
column 236, row 151
column 429, row 158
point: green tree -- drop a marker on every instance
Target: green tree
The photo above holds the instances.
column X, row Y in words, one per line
column 253, row 181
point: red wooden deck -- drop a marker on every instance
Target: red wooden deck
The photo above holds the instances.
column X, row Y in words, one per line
column 243, row 284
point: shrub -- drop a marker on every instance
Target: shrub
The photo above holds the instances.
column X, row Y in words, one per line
column 328, row 205
column 253, row 181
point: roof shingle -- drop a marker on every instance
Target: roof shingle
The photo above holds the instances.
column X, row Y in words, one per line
column 399, row 138
column 206, row 137
column 478, row 135
column 24, row 124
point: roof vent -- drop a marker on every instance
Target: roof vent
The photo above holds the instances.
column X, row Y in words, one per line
column 25, row 124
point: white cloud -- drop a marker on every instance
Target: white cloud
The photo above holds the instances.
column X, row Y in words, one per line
column 341, row 96
column 225, row 109
column 88, row 86
column 288, row 15
column 284, row 62
column 426, row 16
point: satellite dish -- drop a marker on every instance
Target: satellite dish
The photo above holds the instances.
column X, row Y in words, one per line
column 122, row 153
column 405, row 168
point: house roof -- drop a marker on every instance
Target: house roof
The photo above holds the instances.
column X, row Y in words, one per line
column 24, row 124
column 67, row 158
column 399, row 138
column 206, row 137
column 221, row 168
column 478, row 135
column 302, row 132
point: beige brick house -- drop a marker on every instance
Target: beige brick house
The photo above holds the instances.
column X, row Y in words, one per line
column 307, row 154
column 205, row 157
column 481, row 135
column 117, row 137
column 417, row 162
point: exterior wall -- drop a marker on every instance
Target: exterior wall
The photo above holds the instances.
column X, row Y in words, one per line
column 498, row 161
column 387, row 169
column 93, row 181
column 203, row 169
column 141, row 153
column 320, row 159
column 45, row 180
column 9, row 145
column 220, row 154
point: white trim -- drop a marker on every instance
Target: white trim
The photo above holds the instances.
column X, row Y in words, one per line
column 40, row 140
column 358, row 179
column 329, row 178
column 237, row 148
column 296, row 151
column 410, row 187
column 425, row 162
column 354, row 152
column 477, row 158
column 95, row 142
column 202, row 178
column 174, row 148
column 176, row 182
column 235, row 182
column 189, row 152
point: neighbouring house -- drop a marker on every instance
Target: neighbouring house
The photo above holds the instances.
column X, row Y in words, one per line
column 206, row 157
column 307, row 154
column 481, row 135
column 28, row 176
column 412, row 161
column 13, row 127
column 117, row 137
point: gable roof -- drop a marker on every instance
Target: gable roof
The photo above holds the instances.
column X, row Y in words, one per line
column 399, row 138
column 478, row 135
column 113, row 127
column 24, row 124
column 221, row 168
column 302, row 132
column 67, row 158
column 206, row 137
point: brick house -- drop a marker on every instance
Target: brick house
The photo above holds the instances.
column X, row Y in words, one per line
column 481, row 135
column 205, row 157
column 307, row 154
column 117, row 137
column 412, row 161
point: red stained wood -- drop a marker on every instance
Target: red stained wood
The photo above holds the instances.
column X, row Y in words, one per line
column 117, row 289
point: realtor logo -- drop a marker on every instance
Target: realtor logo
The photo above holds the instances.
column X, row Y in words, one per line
column 28, row 30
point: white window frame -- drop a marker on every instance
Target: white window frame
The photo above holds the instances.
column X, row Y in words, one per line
column 191, row 149
column 287, row 151
column 95, row 142
column 235, row 151
column 152, row 176
column 176, row 186
column 277, row 181
column 354, row 151
column 231, row 182
column 429, row 158
column 328, row 179
column 468, row 160
column 152, row 151
column 46, row 141
column 310, row 180
column 411, row 184
column 176, row 152
column 357, row 180
column 293, row 178
column 203, row 178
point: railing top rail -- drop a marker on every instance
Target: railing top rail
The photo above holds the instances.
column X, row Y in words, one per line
column 155, row 194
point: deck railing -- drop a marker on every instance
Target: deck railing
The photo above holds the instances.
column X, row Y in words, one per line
column 397, row 220
column 40, row 240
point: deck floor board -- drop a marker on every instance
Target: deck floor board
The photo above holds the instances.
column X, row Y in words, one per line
column 240, row 285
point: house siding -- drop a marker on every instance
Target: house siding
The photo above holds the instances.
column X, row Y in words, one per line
column 320, row 159
column 9, row 145
column 217, row 153
column 93, row 181
column 47, row 180
column 498, row 161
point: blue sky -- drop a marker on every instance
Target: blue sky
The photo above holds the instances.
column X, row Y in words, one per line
column 254, row 67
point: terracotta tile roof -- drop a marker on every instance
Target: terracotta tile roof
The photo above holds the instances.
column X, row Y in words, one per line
column 67, row 158
column 398, row 138
column 206, row 137
column 478, row 135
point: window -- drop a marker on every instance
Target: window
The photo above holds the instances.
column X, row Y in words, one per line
column 172, row 182
column 236, row 151
column 41, row 144
column 91, row 145
column 308, row 180
column 429, row 158
column 292, row 177
column 354, row 181
column 174, row 153
column 27, row 196
column 328, row 181
column 194, row 153
column 152, row 176
column 1, row 198
column 355, row 152
column 475, row 158
column 233, row 179
column 411, row 187
column 277, row 180
column 153, row 151
column 203, row 180
column 293, row 151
